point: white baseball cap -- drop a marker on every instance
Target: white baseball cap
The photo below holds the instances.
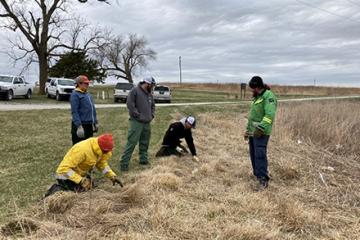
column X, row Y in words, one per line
column 149, row 79
column 191, row 120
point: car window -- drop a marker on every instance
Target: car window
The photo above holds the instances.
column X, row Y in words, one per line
column 19, row 80
column 49, row 80
column 6, row 79
column 66, row 82
column 161, row 88
column 125, row 86
column 16, row 81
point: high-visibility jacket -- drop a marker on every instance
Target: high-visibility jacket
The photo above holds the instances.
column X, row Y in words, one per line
column 82, row 158
column 262, row 112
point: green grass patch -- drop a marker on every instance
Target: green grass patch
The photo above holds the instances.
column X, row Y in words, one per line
column 34, row 142
column 104, row 95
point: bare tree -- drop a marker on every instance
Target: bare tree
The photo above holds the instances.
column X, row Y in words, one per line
column 105, row 1
column 122, row 57
column 43, row 26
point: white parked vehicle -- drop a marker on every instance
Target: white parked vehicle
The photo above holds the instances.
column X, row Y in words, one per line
column 60, row 88
column 122, row 91
column 47, row 84
column 14, row 86
column 162, row 93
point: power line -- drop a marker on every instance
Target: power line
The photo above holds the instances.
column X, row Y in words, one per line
column 327, row 11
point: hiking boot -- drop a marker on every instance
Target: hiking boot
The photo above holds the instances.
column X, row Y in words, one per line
column 144, row 163
column 264, row 183
column 124, row 168
column 53, row 189
column 261, row 185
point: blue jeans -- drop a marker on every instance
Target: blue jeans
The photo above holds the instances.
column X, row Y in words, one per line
column 259, row 161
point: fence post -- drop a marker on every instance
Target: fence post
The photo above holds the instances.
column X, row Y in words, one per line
column 242, row 90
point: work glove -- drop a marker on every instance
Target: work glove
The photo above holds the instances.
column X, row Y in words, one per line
column 196, row 158
column 86, row 183
column 80, row 132
column 115, row 180
column 258, row 133
column 95, row 127
column 179, row 149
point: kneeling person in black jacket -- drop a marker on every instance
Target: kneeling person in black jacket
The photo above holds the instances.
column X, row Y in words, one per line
column 171, row 144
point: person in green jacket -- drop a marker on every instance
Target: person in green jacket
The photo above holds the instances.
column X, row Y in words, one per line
column 260, row 120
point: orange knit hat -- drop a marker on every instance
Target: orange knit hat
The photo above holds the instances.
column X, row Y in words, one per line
column 106, row 142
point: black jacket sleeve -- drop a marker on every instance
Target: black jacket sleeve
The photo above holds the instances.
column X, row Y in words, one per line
column 171, row 138
column 190, row 142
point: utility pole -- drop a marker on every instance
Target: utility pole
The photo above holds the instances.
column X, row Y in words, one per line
column 180, row 68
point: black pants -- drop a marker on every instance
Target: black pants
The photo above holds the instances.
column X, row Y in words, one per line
column 168, row 151
column 64, row 185
column 88, row 130
column 67, row 185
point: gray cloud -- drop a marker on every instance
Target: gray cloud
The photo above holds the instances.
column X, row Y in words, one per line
column 286, row 42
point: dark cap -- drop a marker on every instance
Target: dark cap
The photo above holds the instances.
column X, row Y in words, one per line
column 256, row 82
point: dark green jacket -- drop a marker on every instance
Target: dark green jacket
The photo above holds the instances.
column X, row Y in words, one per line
column 140, row 104
column 262, row 112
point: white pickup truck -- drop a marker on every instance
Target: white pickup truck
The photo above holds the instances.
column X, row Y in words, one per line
column 14, row 86
column 60, row 88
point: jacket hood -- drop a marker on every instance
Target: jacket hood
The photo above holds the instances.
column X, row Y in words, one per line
column 79, row 90
column 95, row 146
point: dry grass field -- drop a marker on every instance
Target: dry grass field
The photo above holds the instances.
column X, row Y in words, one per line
column 313, row 194
column 283, row 91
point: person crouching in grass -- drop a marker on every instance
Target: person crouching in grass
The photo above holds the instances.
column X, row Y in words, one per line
column 73, row 173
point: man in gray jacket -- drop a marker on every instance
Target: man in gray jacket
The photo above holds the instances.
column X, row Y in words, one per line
column 140, row 104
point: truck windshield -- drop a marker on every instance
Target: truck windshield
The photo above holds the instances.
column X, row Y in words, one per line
column 125, row 86
column 66, row 82
column 5, row 79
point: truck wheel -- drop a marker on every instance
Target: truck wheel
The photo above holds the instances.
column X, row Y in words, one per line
column 116, row 100
column 57, row 97
column 10, row 95
column 28, row 94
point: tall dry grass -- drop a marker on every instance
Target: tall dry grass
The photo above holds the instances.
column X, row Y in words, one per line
column 277, row 89
column 332, row 126
column 178, row 198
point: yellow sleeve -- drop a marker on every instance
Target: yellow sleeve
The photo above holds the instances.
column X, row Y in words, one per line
column 68, row 164
column 104, row 167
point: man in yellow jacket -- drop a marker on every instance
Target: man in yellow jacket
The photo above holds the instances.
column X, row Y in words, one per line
column 73, row 171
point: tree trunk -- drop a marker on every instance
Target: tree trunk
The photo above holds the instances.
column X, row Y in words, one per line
column 129, row 77
column 128, row 73
column 43, row 72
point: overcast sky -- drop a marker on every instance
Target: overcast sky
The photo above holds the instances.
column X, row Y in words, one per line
column 284, row 41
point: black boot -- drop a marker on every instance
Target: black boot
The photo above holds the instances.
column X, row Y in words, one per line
column 53, row 189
